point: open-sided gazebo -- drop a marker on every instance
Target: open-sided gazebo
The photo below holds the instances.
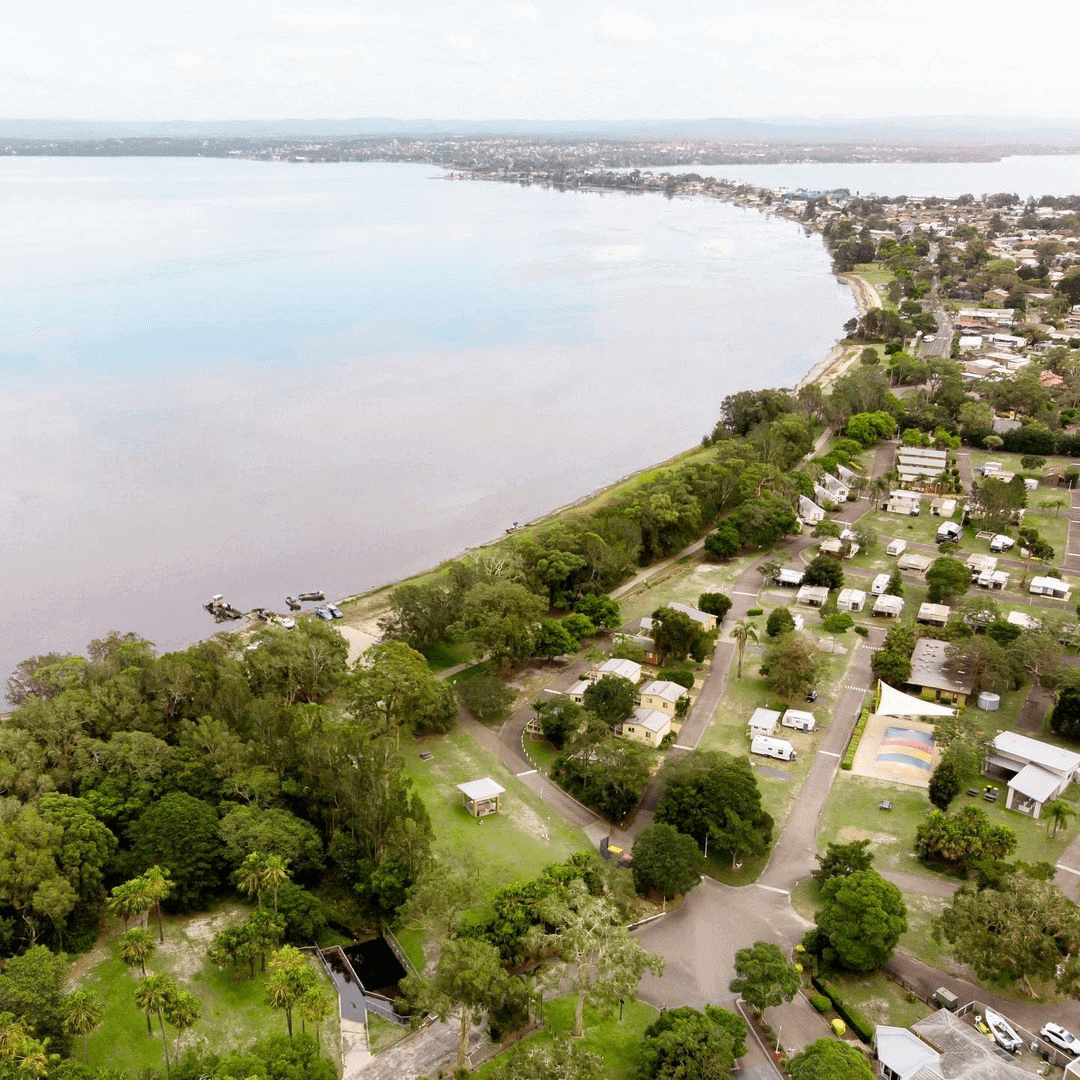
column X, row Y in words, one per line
column 482, row 796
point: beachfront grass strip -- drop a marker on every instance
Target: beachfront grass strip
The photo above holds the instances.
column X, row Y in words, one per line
column 509, row 846
column 682, row 583
column 617, row 1041
column 234, row 1012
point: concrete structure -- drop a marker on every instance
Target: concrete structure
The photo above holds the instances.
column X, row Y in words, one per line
column 929, row 677
column 647, row 725
column 814, row 595
column 943, row 507
column 1050, row 586
column 482, row 797
column 763, row 722
column 933, row 614
column 851, row 600
column 889, row 607
column 896, row 547
column 663, row 695
column 1036, row 772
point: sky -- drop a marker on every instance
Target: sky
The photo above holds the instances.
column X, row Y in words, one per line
column 540, row 60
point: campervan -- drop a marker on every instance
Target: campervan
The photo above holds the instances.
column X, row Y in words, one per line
column 775, row 748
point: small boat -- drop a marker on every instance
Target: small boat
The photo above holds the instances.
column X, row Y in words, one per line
column 1003, row 1034
column 312, row 596
column 294, row 604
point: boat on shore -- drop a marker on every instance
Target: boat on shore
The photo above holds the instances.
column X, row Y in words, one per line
column 1003, row 1033
column 312, row 597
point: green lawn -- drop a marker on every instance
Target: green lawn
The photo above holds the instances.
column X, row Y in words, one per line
column 879, row 999
column 513, row 845
column 234, row 1012
column 616, row 1041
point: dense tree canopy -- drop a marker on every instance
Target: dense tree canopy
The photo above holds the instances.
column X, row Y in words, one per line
column 830, row 1059
column 684, row 1043
column 861, row 919
column 665, row 861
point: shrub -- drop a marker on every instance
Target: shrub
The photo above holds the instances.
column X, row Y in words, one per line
column 856, row 735
column 780, row 621
column 682, row 676
column 838, row 622
column 855, row 1019
column 820, row 1002
column 862, row 631
column 754, row 611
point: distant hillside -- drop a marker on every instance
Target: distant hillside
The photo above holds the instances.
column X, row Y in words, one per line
column 905, row 129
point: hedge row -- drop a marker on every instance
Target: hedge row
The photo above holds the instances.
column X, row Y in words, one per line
column 853, row 742
column 820, row 1002
column 854, row 1019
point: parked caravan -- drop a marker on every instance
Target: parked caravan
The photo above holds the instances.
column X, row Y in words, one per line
column 774, row 748
column 799, row 720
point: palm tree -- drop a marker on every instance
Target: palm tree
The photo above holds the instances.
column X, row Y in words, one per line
column 158, row 884
column 183, row 1012
column 314, row 1007
column 82, row 1013
column 249, row 878
column 744, row 629
column 275, row 872
column 1055, row 505
column 290, row 980
column 129, row 900
column 137, row 945
column 1057, row 813
column 153, row 996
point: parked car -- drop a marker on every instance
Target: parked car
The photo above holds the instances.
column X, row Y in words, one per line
column 335, row 611
column 1057, row 1036
column 322, row 613
column 811, row 695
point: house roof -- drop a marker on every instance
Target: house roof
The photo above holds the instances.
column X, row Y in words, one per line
column 791, row 575
column 902, row 1050
column 765, row 719
column 1036, row 783
column 652, row 719
column 579, row 687
column 626, row 669
column 810, row 593
column 965, row 1053
column 928, row 668
column 484, row 788
column 696, row 614
column 934, row 611
column 1054, row 758
column 891, row 604
column 851, row 596
column 1049, row 583
column 800, row 715
column 661, row 688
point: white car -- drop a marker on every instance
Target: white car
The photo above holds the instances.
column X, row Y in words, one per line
column 1062, row 1039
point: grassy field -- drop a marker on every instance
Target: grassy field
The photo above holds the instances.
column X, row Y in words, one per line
column 879, row 999
column 234, row 1013
column 513, row 845
column 615, row 1040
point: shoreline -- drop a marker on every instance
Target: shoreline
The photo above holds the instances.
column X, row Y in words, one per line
column 837, row 361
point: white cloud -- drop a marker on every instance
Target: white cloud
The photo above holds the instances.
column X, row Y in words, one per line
column 320, row 18
column 625, row 25
column 187, row 60
column 523, row 13
column 460, row 43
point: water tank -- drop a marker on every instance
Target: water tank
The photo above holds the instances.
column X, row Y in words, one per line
column 988, row 702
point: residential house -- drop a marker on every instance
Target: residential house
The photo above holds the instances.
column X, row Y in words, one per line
column 643, row 641
column 904, row 502
column 914, row 463
column 941, row 1046
column 831, row 545
column 625, row 669
column 837, row 489
column 813, row 595
column 789, row 577
column 647, row 725
column 809, row 511
column 1050, row 586
column 663, row 695
column 980, row 564
column 919, row 563
column 889, row 607
column 763, row 722
column 943, row 507
column 933, row 614
column 929, row 677
column 851, row 600
column 1036, row 772
column 993, row 579
column 707, row 621
column 849, row 476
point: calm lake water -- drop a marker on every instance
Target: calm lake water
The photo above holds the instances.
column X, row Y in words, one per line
column 255, row 379
column 1022, row 175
